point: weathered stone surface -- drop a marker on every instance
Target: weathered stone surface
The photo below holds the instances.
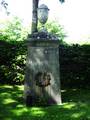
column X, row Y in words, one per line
column 43, row 36
column 43, row 59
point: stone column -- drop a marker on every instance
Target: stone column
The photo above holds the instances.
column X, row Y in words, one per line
column 42, row 81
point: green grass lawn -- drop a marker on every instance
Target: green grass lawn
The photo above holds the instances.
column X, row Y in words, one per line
column 75, row 106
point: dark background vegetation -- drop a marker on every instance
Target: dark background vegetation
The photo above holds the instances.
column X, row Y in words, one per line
column 12, row 62
column 74, row 64
column 74, row 59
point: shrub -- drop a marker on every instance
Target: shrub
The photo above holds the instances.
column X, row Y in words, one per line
column 75, row 65
column 12, row 62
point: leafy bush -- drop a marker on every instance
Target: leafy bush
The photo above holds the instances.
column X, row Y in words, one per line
column 13, row 30
column 75, row 65
column 55, row 28
column 12, row 62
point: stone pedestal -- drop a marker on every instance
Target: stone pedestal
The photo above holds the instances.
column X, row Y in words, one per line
column 42, row 81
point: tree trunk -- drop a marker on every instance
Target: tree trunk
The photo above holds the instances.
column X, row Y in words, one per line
column 34, row 16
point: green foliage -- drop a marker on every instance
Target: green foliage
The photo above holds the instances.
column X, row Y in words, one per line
column 55, row 28
column 74, row 60
column 13, row 30
column 12, row 51
column 12, row 62
column 75, row 65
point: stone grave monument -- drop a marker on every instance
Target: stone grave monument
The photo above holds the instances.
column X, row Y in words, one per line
column 42, row 80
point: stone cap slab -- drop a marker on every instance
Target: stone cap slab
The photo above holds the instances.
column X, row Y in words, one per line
column 43, row 39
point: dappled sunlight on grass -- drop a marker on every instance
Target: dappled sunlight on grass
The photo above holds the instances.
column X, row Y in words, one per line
column 20, row 106
column 19, row 111
column 63, row 91
column 78, row 115
column 21, row 87
column 5, row 94
column 69, row 105
column 37, row 111
column 6, row 86
column 8, row 101
column 12, row 106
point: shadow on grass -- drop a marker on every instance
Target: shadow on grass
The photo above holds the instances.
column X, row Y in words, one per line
column 76, row 106
column 76, row 95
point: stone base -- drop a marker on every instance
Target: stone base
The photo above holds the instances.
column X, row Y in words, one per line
column 42, row 82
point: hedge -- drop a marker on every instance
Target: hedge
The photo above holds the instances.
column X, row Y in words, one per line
column 74, row 64
column 12, row 62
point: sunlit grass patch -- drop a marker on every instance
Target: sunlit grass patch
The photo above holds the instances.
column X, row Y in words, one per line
column 12, row 106
column 5, row 94
column 21, row 87
column 6, row 86
column 69, row 105
column 8, row 101
column 37, row 111
column 78, row 115
column 19, row 111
